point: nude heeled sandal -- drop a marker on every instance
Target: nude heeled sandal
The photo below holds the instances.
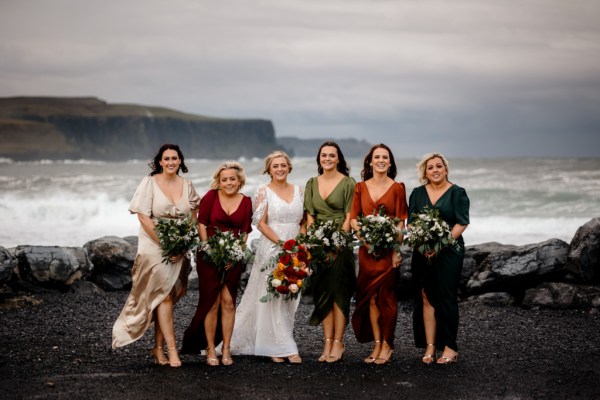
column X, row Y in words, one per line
column 371, row 359
column 429, row 359
column 174, row 364
column 227, row 361
column 323, row 357
column 211, row 361
column 156, row 353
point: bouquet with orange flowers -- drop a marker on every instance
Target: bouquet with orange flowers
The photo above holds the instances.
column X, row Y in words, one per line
column 286, row 280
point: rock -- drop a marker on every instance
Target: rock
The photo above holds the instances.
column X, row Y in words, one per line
column 8, row 263
column 480, row 252
column 514, row 270
column 113, row 259
column 584, row 252
column 495, row 299
column 86, row 288
column 52, row 266
column 558, row 295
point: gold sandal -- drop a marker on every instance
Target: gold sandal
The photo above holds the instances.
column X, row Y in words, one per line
column 226, row 360
column 211, row 361
column 445, row 360
column 333, row 359
column 177, row 363
column 157, row 352
column 323, row 357
column 429, row 359
column 371, row 359
column 295, row 359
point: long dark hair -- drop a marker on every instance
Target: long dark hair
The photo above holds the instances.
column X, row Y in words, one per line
column 367, row 172
column 342, row 165
column 155, row 163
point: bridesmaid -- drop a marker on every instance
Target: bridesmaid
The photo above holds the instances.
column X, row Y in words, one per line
column 157, row 286
column 329, row 197
column 374, row 316
column 435, row 317
column 225, row 208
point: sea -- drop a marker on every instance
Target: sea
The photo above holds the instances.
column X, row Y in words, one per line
column 513, row 200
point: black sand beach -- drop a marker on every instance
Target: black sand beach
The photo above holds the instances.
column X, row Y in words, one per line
column 61, row 349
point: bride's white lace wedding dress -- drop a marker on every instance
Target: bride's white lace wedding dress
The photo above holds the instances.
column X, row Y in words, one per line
column 265, row 329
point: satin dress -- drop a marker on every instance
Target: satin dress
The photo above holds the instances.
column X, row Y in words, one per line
column 376, row 277
column 212, row 215
column 153, row 280
column 336, row 281
column 441, row 278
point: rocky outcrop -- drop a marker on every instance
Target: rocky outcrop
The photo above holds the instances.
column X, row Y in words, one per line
column 515, row 270
column 113, row 259
column 559, row 295
column 52, row 266
column 8, row 263
column 74, row 128
column 584, row 252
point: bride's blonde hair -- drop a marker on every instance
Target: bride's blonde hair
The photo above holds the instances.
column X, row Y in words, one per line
column 277, row 153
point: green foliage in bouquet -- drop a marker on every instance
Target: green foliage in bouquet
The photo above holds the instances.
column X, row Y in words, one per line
column 177, row 236
column 380, row 232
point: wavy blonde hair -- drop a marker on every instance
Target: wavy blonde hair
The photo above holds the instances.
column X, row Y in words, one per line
column 277, row 153
column 422, row 166
column 239, row 171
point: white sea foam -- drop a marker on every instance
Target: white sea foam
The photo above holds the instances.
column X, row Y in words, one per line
column 512, row 201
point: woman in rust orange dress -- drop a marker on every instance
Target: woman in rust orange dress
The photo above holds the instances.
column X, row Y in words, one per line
column 225, row 208
column 374, row 317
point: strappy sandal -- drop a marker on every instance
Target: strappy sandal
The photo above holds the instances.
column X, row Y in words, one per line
column 371, row 359
column 277, row 360
column 333, row 359
column 226, row 360
column 323, row 357
column 157, row 352
column 295, row 359
column 386, row 360
column 429, row 359
column 174, row 364
column 445, row 360
column 211, row 361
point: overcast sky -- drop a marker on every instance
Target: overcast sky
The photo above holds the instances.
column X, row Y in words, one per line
column 465, row 77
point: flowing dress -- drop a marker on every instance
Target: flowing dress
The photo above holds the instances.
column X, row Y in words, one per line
column 266, row 329
column 440, row 279
column 336, row 281
column 376, row 277
column 153, row 280
column 212, row 215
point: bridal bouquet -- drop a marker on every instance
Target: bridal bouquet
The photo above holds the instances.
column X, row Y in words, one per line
column 380, row 232
column 290, row 269
column 176, row 236
column 428, row 232
column 224, row 248
column 325, row 239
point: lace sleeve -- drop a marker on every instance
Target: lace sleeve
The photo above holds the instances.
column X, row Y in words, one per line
column 259, row 205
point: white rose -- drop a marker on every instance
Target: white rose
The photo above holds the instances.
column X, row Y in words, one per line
column 293, row 288
column 275, row 282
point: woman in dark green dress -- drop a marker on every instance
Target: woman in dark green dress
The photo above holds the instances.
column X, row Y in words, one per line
column 435, row 317
column 329, row 197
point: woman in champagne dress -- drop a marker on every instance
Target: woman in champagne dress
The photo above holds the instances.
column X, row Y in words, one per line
column 374, row 317
column 226, row 209
column 266, row 329
column 157, row 285
column 328, row 197
column 435, row 317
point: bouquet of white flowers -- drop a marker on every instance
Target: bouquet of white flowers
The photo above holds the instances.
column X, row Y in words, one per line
column 380, row 232
column 176, row 236
column 428, row 231
column 224, row 248
column 325, row 239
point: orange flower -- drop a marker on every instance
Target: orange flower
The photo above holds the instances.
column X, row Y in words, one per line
column 299, row 283
column 280, row 266
column 278, row 274
column 295, row 261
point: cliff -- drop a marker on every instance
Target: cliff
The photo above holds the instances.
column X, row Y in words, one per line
column 73, row 128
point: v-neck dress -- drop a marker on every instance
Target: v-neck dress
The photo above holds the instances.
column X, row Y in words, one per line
column 212, row 215
column 439, row 279
column 153, row 280
column 376, row 277
column 336, row 281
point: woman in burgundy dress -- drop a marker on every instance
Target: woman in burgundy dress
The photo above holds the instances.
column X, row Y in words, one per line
column 225, row 208
column 374, row 317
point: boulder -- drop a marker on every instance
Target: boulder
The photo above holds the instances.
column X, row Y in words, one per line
column 558, row 295
column 517, row 269
column 584, row 252
column 52, row 266
column 86, row 289
column 8, row 263
column 113, row 259
column 495, row 299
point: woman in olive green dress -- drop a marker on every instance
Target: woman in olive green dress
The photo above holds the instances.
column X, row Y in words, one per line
column 329, row 197
column 435, row 317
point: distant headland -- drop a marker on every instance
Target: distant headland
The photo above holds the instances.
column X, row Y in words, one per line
column 55, row 128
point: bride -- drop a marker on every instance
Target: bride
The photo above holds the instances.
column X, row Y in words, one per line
column 265, row 329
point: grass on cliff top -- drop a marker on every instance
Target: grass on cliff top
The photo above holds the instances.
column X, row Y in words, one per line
column 19, row 107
